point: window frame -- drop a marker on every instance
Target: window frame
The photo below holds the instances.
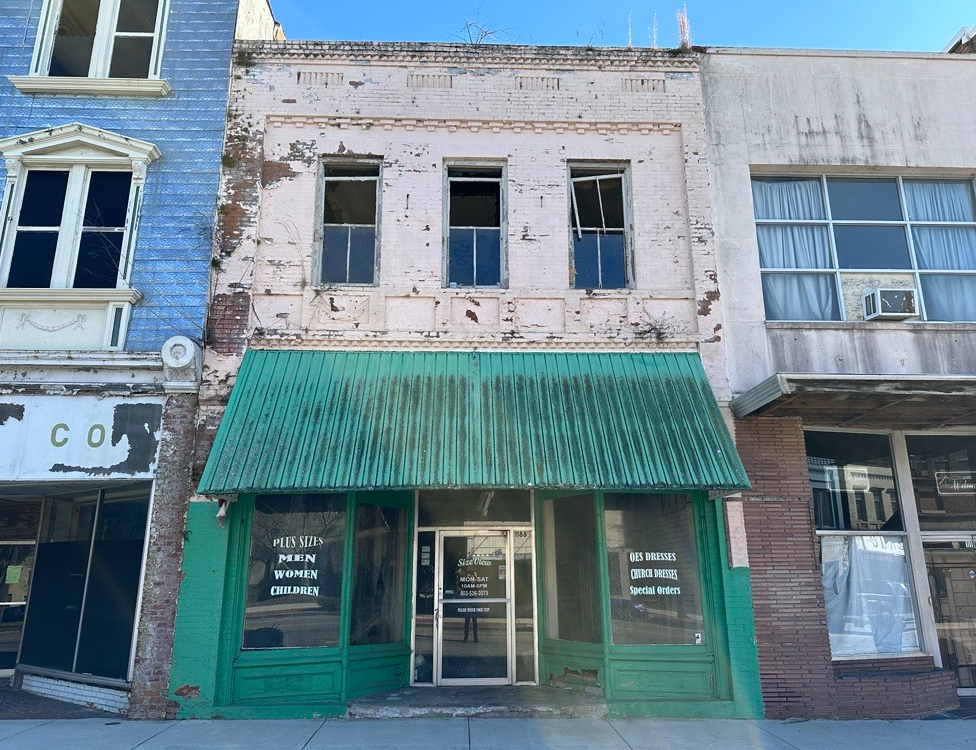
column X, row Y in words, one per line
column 502, row 179
column 320, row 219
column 830, row 223
column 594, row 171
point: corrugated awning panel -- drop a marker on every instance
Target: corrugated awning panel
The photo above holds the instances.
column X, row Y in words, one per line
column 313, row 420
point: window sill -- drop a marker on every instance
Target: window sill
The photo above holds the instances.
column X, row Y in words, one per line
column 874, row 657
column 68, row 296
column 148, row 87
column 855, row 325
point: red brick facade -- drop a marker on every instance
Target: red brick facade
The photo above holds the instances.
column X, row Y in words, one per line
column 799, row 679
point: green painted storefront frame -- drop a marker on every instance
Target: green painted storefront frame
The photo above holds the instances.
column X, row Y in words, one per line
column 208, row 662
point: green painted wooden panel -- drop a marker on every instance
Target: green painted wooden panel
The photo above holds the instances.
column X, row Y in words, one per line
column 377, row 673
column 291, row 684
column 652, row 680
column 312, row 420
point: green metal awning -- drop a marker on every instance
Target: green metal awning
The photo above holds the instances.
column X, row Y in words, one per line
column 323, row 420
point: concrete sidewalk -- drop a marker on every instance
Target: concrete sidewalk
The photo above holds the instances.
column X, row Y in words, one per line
column 484, row 734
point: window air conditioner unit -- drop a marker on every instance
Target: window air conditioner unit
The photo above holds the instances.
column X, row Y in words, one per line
column 889, row 304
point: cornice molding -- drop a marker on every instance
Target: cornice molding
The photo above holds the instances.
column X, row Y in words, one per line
column 143, row 87
column 267, row 340
column 474, row 126
column 470, row 55
column 68, row 296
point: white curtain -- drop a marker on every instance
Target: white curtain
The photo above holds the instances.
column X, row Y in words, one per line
column 951, row 298
column 945, row 248
column 787, row 199
column 795, row 296
column 793, row 246
column 868, row 596
column 939, row 200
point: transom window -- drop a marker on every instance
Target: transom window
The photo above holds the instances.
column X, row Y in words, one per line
column 101, row 39
column 819, row 236
column 71, row 230
column 599, row 227
column 351, row 197
column 474, row 237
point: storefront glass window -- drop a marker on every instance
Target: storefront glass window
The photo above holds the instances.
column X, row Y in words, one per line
column 652, row 559
column 868, row 594
column 460, row 507
column 573, row 592
column 377, row 599
column 846, row 469
column 944, row 477
column 295, row 574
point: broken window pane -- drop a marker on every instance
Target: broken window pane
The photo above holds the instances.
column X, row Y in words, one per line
column 137, row 16
column 460, row 260
column 587, row 205
column 350, row 202
column 99, row 255
column 475, row 204
column 598, row 223
column 75, row 38
column 612, row 200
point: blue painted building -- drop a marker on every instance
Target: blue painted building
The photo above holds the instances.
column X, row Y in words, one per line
column 112, row 120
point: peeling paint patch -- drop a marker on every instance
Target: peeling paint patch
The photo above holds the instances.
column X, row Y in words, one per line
column 140, row 425
column 11, row 411
column 276, row 171
column 188, row 691
column 705, row 303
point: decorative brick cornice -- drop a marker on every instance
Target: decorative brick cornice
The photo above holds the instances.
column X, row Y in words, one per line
column 469, row 55
column 474, row 126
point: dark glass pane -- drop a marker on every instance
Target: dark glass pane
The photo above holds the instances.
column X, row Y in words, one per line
column 460, row 260
column 456, row 507
column 380, row 572
column 944, row 477
column 335, row 246
column 488, row 260
column 950, row 566
column 294, row 581
column 475, row 204
column 350, row 202
column 99, row 255
column 613, row 266
column 76, row 35
column 137, row 15
column 33, row 260
column 16, row 566
column 572, row 584
column 58, row 584
column 131, row 57
column 43, row 203
column 874, row 200
column 524, row 608
column 871, row 247
column 108, row 199
column 362, row 259
column 352, row 170
column 652, row 558
column 844, row 465
column 113, row 586
column 612, row 193
column 587, row 205
column 585, row 261
column 423, row 650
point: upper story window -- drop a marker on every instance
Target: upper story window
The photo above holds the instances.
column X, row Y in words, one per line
column 819, row 235
column 600, row 227
column 351, row 195
column 98, row 46
column 105, row 38
column 474, row 236
column 67, row 233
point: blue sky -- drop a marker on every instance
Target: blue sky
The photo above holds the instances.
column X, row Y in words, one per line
column 924, row 25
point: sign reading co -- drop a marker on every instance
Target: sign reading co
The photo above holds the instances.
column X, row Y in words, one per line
column 61, row 434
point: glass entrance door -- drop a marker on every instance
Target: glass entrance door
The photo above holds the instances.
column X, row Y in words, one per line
column 952, row 584
column 473, row 608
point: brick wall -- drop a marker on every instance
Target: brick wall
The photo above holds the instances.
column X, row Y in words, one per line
column 92, row 696
column 798, row 677
column 162, row 574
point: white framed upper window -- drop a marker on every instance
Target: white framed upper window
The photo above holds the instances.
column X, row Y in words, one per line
column 350, row 221
column 818, row 233
column 600, row 227
column 98, row 46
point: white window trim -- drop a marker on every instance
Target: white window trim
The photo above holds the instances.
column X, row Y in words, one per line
column 829, row 222
column 502, row 180
column 76, row 148
column 97, row 82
